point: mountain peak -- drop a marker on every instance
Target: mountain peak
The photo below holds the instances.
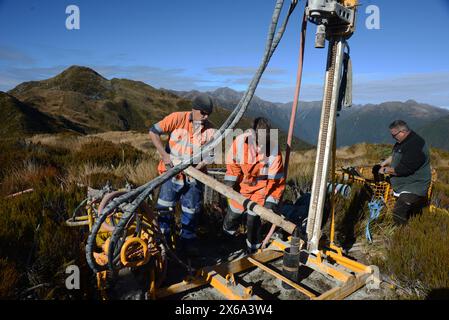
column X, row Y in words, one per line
column 227, row 94
column 76, row 71
column 411, row 101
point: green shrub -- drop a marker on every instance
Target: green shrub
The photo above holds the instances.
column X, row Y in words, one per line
column 418, row 253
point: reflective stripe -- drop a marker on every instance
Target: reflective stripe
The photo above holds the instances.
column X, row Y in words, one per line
column 272, row 200
column 165, row 203
column 187, row 210
column 157, row 128
column 276, row 176
column 253, row 246
column 230, row 178
column 261, row 177
column 234, row 209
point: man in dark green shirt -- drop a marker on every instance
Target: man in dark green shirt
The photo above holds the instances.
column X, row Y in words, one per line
column 409, row 167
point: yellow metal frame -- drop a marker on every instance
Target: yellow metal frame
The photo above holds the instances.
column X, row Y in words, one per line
column 380, row 189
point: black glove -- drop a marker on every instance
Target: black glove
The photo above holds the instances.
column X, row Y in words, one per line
column 375, row 172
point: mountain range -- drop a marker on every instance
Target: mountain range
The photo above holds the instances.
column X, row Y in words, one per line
column 360, row 123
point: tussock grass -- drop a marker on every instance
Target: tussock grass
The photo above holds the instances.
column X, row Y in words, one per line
column 93, row 175
column 417, row 254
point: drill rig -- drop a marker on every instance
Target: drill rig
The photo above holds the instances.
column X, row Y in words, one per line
column 335, row 22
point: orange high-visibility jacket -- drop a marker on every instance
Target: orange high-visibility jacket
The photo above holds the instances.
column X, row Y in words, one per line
column 183, row 139
column 260, row 177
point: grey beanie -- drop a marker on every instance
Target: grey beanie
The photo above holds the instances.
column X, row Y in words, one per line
column 203, row 102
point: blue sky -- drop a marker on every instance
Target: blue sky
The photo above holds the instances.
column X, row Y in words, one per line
column 204, row 44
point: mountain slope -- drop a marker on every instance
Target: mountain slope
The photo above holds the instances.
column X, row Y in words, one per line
column 19, row 119
column 436, row 133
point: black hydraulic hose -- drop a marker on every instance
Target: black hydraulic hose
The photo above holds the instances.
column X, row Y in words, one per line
column 141, row 193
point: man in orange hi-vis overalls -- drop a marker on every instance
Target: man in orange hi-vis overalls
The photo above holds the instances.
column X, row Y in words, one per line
column 188, row 131
column 258, row 174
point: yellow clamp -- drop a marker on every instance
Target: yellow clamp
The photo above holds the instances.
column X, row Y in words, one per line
column 134, row 247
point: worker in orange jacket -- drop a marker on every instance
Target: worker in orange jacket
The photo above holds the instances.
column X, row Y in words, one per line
column 188, row 132
column 258, row 174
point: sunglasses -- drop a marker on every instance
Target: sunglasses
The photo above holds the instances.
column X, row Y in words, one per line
column 204, row 113
column 394, row 135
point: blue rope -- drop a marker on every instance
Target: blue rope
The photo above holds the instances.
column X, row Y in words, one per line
column 375, row 206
